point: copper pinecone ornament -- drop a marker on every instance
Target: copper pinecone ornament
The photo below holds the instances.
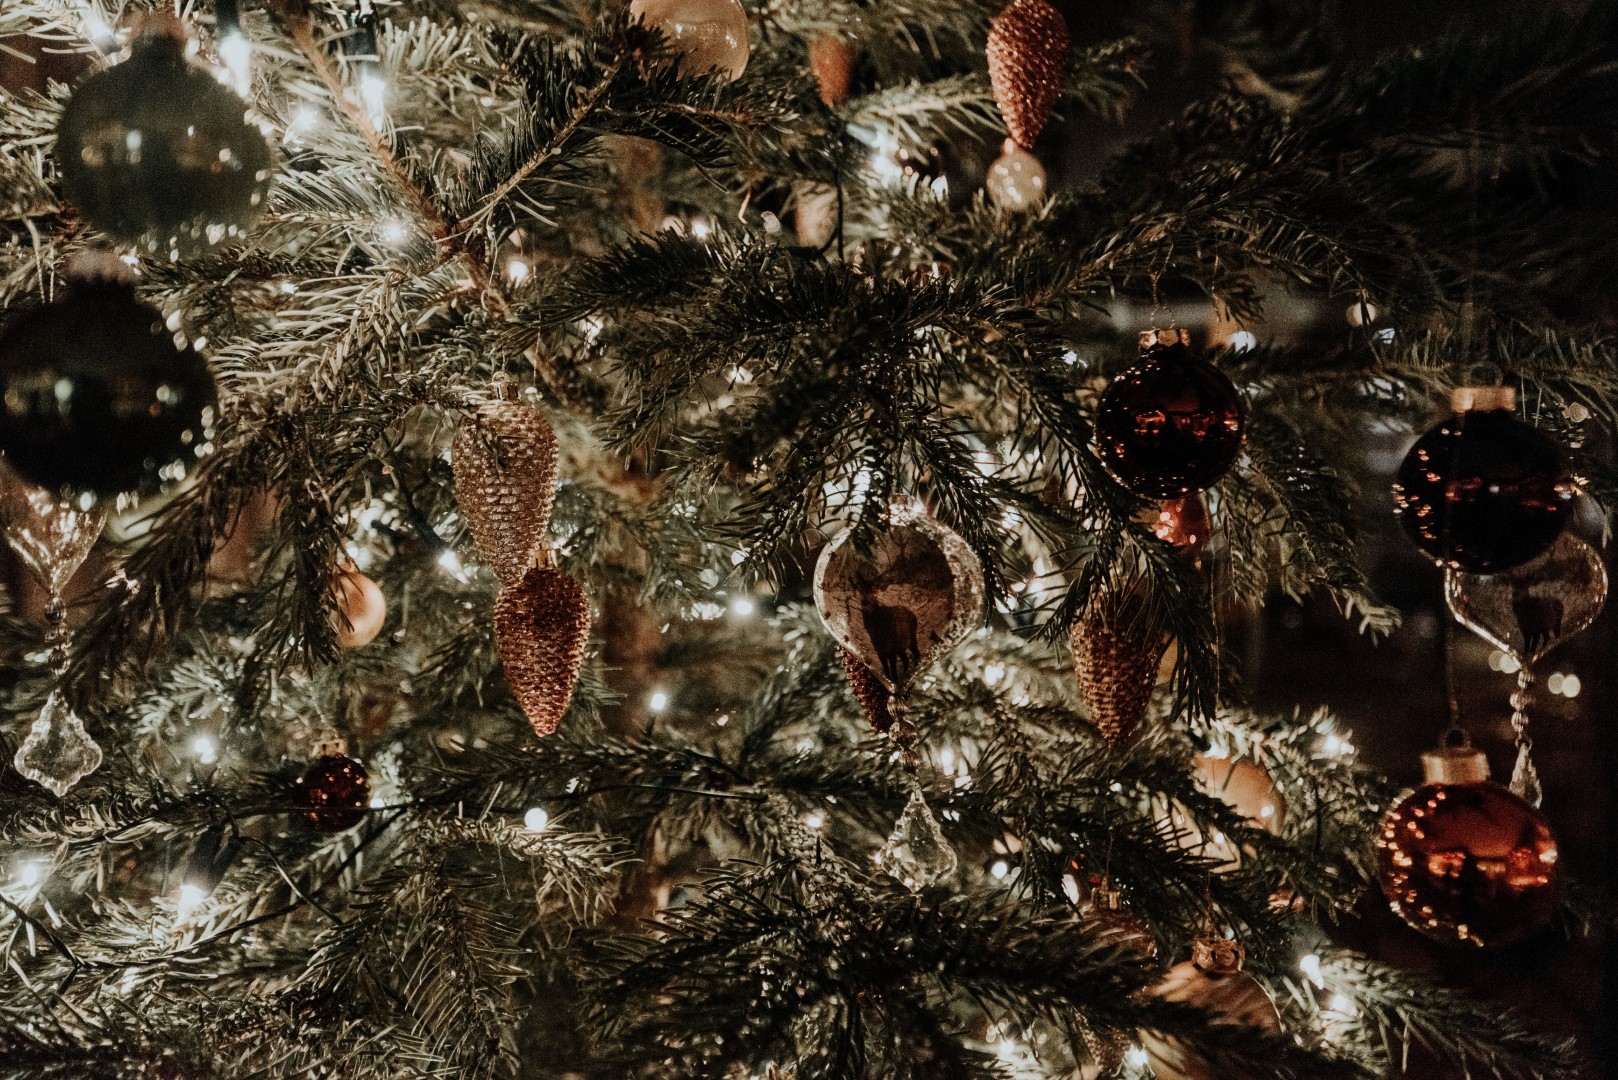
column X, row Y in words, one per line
column 1027, row 65
column 831, row 58
column 1115, row 657
column 505, row 482
column 869, row 691
column 541, row 625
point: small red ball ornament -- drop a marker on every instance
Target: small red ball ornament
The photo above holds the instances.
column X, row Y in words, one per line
column 1171, row 425
column 1483, row 491
column 1465, row 861
column 335, row 791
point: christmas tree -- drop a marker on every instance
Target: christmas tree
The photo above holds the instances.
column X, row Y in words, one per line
column 699, row 539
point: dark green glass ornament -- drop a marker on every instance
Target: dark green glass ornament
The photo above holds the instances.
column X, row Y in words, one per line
column 154, row 152
column 95, row 398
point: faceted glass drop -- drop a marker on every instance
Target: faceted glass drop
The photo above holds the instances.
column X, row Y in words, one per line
column 916, row 852
column 58, row 752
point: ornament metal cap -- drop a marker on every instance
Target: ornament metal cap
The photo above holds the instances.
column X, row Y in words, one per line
column 1107, row 898
column 1460, row 764
column 335, row 746
column 1163, row 338
column 1215, row 955
column 1482, row 398
column 159, row 24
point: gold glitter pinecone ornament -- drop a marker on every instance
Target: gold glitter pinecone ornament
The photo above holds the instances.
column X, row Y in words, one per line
column 505, row 482
column 541, row 625
column 1027, row 53
column 1115, row 656
column 868, row 691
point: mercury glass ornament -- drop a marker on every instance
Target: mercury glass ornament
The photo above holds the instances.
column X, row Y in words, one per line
column 1016, row 180
column 155, row 152
column 1171, row 425
column 905, row 600
column 711, row 36
column 96, row 399
column 1483, row 492
column 335, row 791
column 1463, row 860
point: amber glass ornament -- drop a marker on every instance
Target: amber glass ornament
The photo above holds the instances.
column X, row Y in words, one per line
column 1115, row 656
column 1027, row 54
column 1016, row 180
column 1185, row 523
column 1483, row 492
column 155, row 152
column 361, row 607
column 335, row 791
column 1171, row 425
column 541, row 626
column 505, row 466
column 1465, row 861
column 710, row 36
column 95, row 399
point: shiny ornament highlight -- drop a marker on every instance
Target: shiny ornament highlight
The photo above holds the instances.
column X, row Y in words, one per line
column 1027, row 54
column 711, row 36
column 1483, row 492
column 1172, row 425
column 155, row 152
column 96, row 399
column 541, row 626
column 505, row 464
column 361, row 610
column 1016, row 180
column 1463, row 860
column 335, row 791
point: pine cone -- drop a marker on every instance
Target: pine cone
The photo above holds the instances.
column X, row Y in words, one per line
column 831, row 58
column 1027, row 65
column 1106, row 1046
column 505, row 481
column 541, row 625
column 1115, row 657
column 869, row 691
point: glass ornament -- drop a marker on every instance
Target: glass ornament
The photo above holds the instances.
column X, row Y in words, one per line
column 1463, row 860
column 361, row 610
column 58, row 752
column 1185, row 523
column 1213, row 981
column 711, row 36
column 909, row 597
column 1483, row 492
column 155, row 152
column 917, row 853
column 1016, row 180
column 335, row 791
column 1171, row 425
column 96, row 399
column 1526, row 612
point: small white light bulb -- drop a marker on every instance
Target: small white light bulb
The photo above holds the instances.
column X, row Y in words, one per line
column 658, row 701
column 536, row 819
column 204, row 749
column 190, row 897
column 742, row 606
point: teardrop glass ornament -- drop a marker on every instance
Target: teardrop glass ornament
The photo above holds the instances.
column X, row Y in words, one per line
column 1529, row 610
column 58, row 752
column 917, row 854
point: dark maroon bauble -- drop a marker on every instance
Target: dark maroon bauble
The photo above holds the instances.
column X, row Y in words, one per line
column 1468, row 864
column 1483, row 492
column 1171, row 425
column 334, row 792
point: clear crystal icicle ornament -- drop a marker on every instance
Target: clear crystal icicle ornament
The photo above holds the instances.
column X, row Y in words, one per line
column 52, row 537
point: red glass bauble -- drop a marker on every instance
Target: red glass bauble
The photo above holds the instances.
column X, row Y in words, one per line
column 1171, row 425
column 1468, row 864
column 1185, row 523
column 334, row 792
column 1483, row 491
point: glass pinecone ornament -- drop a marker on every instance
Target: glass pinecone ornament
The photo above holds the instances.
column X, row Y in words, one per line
column 1212, row 980
column 1016, row 180
column 361, row 609
column 1115, row 657
column 1171, row 425
column 1027, row 53
column 334, row 792
column 831, row 59
column 96, row 399
column 909, row 597
column 710, row 36
column 1483, row 492
column 505, row 466
column 541, row 626
column 868, row 691
column 1463, row 860
column 155, row 152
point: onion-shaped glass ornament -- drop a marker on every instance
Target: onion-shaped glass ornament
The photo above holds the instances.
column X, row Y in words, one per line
column 1463, row 860
column 1483, row 492
column 711, row 36
column 1171, row 425
column 155, row 152
column 96, row 399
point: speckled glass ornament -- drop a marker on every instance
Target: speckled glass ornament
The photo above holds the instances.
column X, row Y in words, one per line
column 1016, row 180
column 1171, row 425
column 906, row 600
column 155, row 152
column 711, row 36
column 1463, row 860
column 95, row 399
column 1483, row 492
column 335, row 791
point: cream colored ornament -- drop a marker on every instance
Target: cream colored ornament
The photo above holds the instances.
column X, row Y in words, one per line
column 1016, row 180
column 814, row 216
column 1212, row 980
column 361, row 609
column 711, row 36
